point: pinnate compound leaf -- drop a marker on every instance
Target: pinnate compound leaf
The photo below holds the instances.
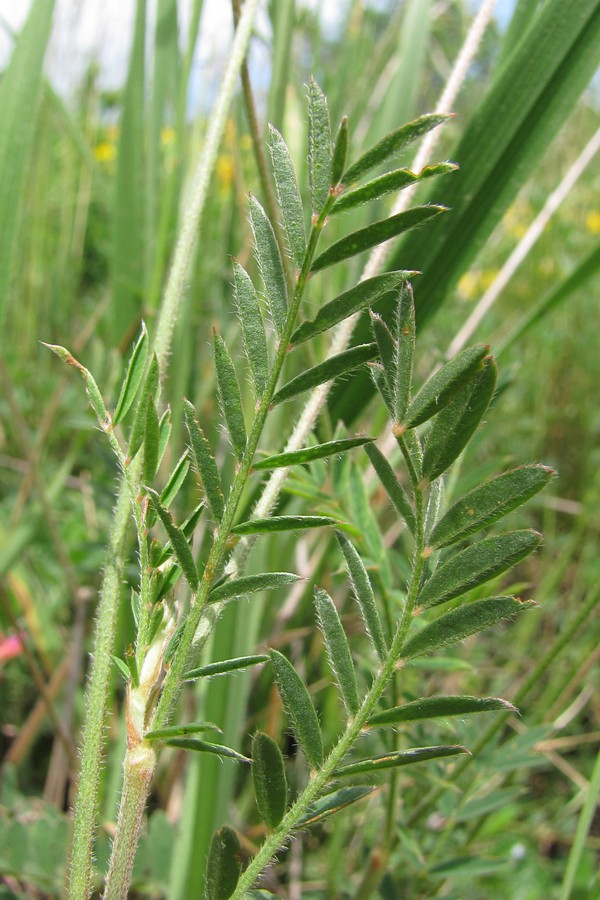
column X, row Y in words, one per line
column 253, row 329
column 149, row 390
column 319, row 146
column 340, row 152
column 308, row 454
column 406, row 351
column 393, row 487
column 326, row 371
column 398, row 758
column 205, row 463
column 443, row 385
column 178, row 541
column 489, row 502
column 288, row 196
column 282, row 523
column 176, row 479
column 386, row 184
column 477, row 564
column 458, row 624
column 338, row 650
column 231, row 399
column 133, row 376
column 363, row 592
column 454, row 426
column 437, row 707
column 332, row 803
column 198, row 746
column 391, row 144
column 250, row 584
column 174, row 731
column 299, row 709
column 357, row 298
column 224, row 865
column 150, row 443
column 270, row 265
column 270, row 785
column 225, row 666
column 374, row 234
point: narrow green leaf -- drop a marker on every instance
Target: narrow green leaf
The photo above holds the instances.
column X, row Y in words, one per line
column 189, row 526
column 91, row 388
column 150, row 443
column 299, row 709
column 288, row 196
column 253, row 330
column 224, row 864
column 122, row 667
column 205, row 463
column 364, row 294
column 225, row 666
column 326, row 371
column 374, row 234
column 406, row 351
column 332, row 803
column 393, row 487
column 477, row 564
column 460, row 623
column 364, row 594
column 319, row 146
column 454, row 426
column 283, row 523
column 250, row 584
column 198, row 746
column 488, row 502
column 398, row 758
column 378, row 375
column 308, row 454
column 173, row 731
column 180, row 545
column 231, row 400
column 338, row 650
column 270, row 265
column 340, row 153
column 164, row 433
column 133, row 376
column 270, row 785
column 437, row 707
column 391, row 144
column 388, row 183
column 444, row 383
column 388, row 353
column 176, row 479
column 150, row 389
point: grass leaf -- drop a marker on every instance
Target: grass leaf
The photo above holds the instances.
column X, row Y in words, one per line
column 299, row 709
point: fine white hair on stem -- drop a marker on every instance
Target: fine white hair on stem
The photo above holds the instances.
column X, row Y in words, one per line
column 527, row 242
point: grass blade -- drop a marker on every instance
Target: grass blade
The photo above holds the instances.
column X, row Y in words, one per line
column 326, row 371
column 338, row 650
column 299, row 708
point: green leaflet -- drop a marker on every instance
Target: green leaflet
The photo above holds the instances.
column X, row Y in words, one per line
column 378, row 376
column 270, row 785
column 198, row 746
column 133, row 376
column 477, row 564
column 288, row 195
column 406, row 351
column 231, row 399
column 398, row 758
column 172, row 731
column 340, row 152
column 364, row 594
column 269, row 263
column 436, row 707
column 299, row 709
column 178, row 541
column 253, row 331
column 326, row 371
column 454, row 426
column 149, row 390
column 442, row 385
column 357, row 298
column 249, row 584
column 164, row 433
column 488, row 502
column 91, row 388
column 319, row 146
column 205, row 463
column 460, row 623
column 176, row 479
column 391, row 144
column 386, row 184
column 224, row 667
column 308, row 454
column 374, row 234
column 332, row 803
column 388, row 353
column 123, row 668
column 338, row 650
column 282, row 523
column 393, row 487
column 150, row 443
column 224, row 864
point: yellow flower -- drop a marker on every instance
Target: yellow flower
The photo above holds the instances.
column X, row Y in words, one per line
column 167, row 136
column 467, row 285
column 105, row 152
column 592, row 221
column 224, row 170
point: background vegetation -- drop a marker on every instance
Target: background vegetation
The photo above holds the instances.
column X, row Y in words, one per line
column 90, row 194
